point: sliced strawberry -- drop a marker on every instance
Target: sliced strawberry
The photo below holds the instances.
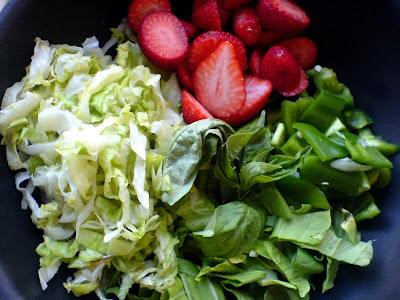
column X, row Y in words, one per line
column 139, row 9
column 235, row 4
column 303, row 84
column 163, row 40
column 281, row 68
column 190, row 29
column 218, row 82
column 282, row 16
column 303, row 49
column 255, row 63
column 184, row 76
column 269, row 38
column 207, row 16
column 224, row 14
column 192, row 110
column 246, row 25
column 257, row 94
column 206, row 43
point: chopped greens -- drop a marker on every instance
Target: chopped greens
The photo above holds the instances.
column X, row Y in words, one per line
column 141, row 206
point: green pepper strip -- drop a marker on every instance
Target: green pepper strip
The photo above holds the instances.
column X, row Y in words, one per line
column 322, row 174
column 293, row 145
column 323, row 146
column 323, row 110
column 356, row 119
column 297, row 191
column 384, row 147
column 291, row 111
column 364, row 154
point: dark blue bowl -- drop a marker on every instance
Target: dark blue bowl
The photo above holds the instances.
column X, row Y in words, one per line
column 359, row 39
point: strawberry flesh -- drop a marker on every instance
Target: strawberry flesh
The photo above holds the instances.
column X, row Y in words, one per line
column 303, row 84
column 192, row 110
column 303, row 49
column 218, row 82
column 206, row 43
column 257, row 94
column 184, row 76
column 207, row 16
column 246, row 25
column 235, row 4
column 255, row 63
column 190, row 29
column 139, row 9
column 163, row 40
column 283, row 16
column 281, row 68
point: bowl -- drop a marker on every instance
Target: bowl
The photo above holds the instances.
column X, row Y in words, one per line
column 359, row 39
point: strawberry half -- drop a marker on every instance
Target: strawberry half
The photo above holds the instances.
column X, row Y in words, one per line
column 235, row 4
column 163, row 40
column 303, row 49
column 269, row 38
column 206, row 43
column 281, row 68
column 257, row 94
column 139, row 9
column 283, row 16
column 207, row 16
column 190, row 29
column 303, row 84
column 246, row 25
column 184, row 76
column 192, row 110
column 255, row 63
column 224, row 14
column 218, row 82
column 198, row 3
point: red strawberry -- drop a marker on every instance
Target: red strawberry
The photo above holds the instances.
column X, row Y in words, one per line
column 163, row 40
column 269, row 38
column 218, row 82
column 206, row 43
column 207, row 16
column 192, row 110
column 255, row 63
column 281, row 68
column 184, row 76
column 246, row 25
column 257, row 94
column 235, row 4
column 303, row 49
column 224, row 14
column 190, row 29
column 282, row 16
column 198, row 3
column 139, row 9
column 303, row 84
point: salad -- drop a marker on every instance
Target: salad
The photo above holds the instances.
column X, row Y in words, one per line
column 151, row 191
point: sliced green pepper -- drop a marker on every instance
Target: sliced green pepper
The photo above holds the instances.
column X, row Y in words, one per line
column 356, row 119
column 323, row 146
column 291, row 111
column 384, row 147
column 323, row 110
column 364, row 154
column 322, row 174
column 385, row 176
column 293, row 145
column 297, row 191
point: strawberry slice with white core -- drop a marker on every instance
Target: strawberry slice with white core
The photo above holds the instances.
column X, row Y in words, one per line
column 218, row 82
column 257, row 94
column 163, row 40
column 206, row 43
column 192, row 110
column 139, row 9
